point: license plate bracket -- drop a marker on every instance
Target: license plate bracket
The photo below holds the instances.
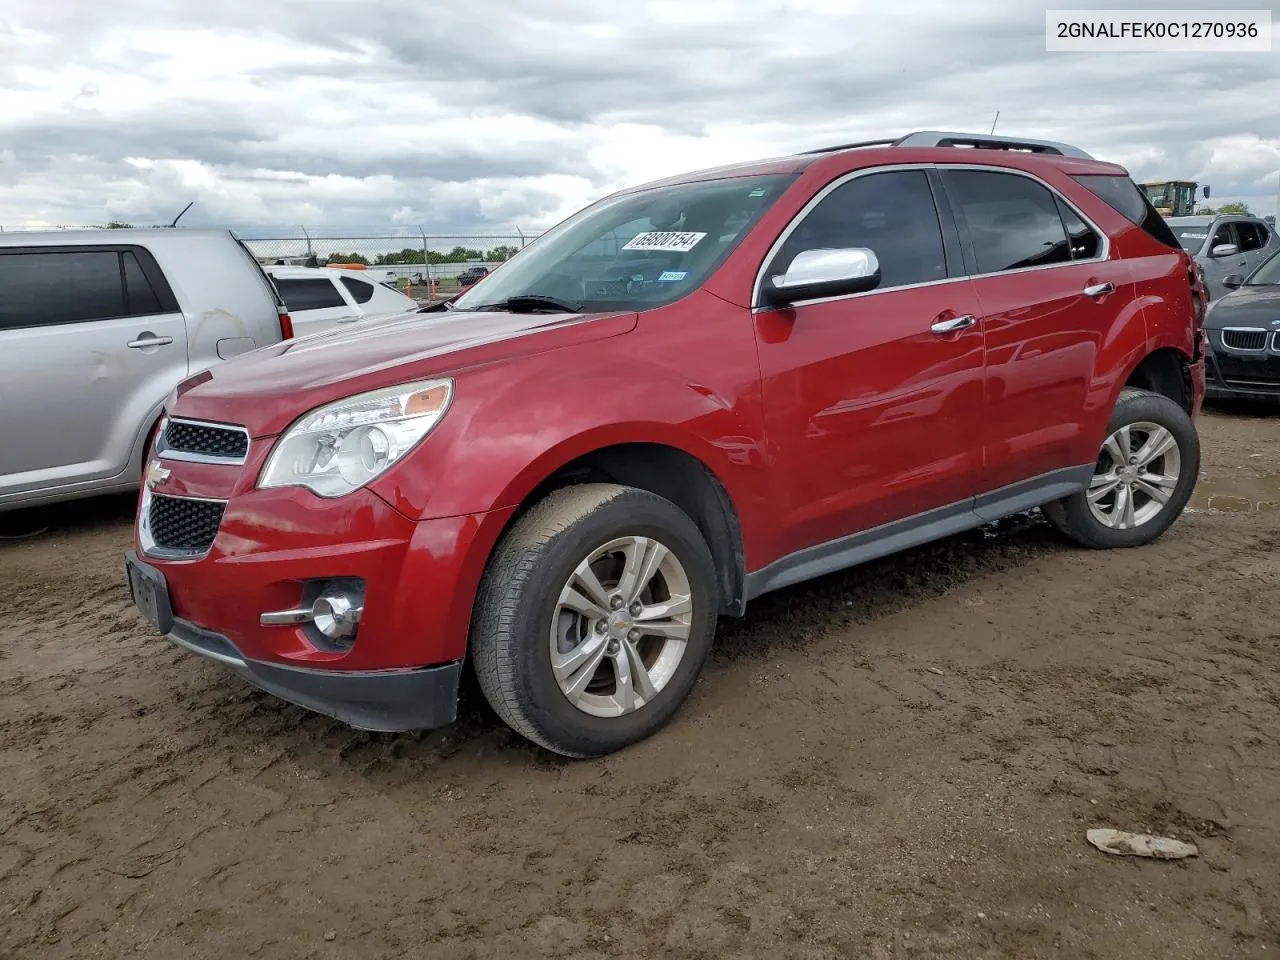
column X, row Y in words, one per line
column 150, row 593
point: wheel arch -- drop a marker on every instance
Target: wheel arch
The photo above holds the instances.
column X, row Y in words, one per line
column 669, row 471
column 1166, row 371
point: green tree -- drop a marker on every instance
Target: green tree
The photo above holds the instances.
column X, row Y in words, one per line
column 348, row 258
column 1241, row 209
column 500, row 254
column 115, row 225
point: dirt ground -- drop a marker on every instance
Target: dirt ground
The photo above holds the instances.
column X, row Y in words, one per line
column 898, row 761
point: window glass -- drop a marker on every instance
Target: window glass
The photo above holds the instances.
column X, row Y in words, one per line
column 1085, row 242
column 1122, row 195
column 40, row 289
column 1224, row 234
column 1192, row 238
column 142, row 296
column 892, row 214
column 309, row 294
column 635, row 250
column 1013, row 221
column 1249, row 237
column 360, row 291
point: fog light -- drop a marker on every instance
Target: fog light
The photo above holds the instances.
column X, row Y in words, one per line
column 335, row 616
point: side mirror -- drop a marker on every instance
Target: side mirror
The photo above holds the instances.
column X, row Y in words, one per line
column 1206, row 191
column 1234, row 281
column 824, row 273
column 1224, row 250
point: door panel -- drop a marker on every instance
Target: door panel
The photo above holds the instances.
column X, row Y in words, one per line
column 873, row 416
column 1034, row 257
column 85, row 395
column 1217, row 269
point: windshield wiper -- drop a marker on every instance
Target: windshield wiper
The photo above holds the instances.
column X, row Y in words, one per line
column 532, row 303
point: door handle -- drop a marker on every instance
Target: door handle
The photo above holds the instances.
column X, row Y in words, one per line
column 149, row 340
column 1100, row 289
column 954, row 324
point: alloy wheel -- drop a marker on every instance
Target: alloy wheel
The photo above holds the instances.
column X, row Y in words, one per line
column 621, row 626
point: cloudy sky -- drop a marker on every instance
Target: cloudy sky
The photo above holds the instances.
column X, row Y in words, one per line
column 484, row 115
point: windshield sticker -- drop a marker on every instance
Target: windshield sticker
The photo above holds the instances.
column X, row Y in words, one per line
column 670, row 242
column 757, row 192
column 671, row 276
column 1196, row 236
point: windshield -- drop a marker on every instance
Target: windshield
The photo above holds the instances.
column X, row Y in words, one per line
column 1191, row 238
column 635, row 251
column 1268, row 274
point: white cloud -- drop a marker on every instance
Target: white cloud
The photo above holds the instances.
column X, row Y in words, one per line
column 486, row 115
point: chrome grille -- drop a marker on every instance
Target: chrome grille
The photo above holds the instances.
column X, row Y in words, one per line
column 191, row 440
column 1243, row 338
column 183, row 526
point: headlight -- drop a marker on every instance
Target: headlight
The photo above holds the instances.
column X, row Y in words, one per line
column 338, row 448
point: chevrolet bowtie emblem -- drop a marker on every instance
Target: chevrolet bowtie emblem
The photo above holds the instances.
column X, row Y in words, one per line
column 156, row 473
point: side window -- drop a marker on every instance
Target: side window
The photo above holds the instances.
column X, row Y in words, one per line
column 309, row 294
column 143, row 300
column 1224, row 234
column 1013, row 221
column 42, row 289
column 1251, row 237
column 893, row 214
column 1085, row 242
column 360, row 291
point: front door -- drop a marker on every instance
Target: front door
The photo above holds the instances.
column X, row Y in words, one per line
column 872, row 415
column 88, row 350
column 1218, row 268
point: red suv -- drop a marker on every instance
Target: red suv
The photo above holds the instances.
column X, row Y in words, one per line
column 684, row 396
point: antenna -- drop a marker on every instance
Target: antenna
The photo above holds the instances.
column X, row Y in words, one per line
column 994, row 122
column 184, row 210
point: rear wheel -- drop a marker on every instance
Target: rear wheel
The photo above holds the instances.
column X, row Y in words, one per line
column 1143, row 478
column 594, row 618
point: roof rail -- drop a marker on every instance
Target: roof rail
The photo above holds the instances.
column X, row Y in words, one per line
column 937, row 138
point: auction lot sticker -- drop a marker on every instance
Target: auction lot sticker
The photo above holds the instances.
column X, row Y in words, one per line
column 666, row 242
column 1159, row 31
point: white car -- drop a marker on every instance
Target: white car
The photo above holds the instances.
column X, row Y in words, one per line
column 320, row 298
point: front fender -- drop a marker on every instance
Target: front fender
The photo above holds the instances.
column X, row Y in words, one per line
column 513, row 425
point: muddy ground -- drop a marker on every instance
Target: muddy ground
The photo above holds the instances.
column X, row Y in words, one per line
column 898, row 761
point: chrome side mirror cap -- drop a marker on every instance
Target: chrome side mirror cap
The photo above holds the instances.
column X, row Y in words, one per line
column 831, row 272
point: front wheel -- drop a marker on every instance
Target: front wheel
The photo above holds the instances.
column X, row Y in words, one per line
column 1143, row 478
column 594, row 618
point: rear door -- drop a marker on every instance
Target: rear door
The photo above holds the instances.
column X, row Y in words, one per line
column 1049, row 296
column 315, row 304
column 91, row 340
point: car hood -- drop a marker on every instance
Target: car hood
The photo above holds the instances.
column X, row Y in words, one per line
column 269, row 388
column 1247, row 307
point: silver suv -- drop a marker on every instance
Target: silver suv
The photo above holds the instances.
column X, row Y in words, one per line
column 96, row 329
column 1225, row 245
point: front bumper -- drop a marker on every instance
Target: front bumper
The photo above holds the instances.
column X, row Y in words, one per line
column 383, row 700
column 1246, row 375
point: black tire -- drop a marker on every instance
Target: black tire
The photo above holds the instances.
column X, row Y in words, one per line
column 1072, row 515
column 517, row 599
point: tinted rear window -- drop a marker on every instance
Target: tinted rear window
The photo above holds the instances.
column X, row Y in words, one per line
column 1122, row 195
column 309, row 294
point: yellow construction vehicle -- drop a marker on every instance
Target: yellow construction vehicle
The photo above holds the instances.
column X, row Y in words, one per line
column 1173, row 198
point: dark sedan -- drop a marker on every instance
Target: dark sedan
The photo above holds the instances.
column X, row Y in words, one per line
column 1244, row 335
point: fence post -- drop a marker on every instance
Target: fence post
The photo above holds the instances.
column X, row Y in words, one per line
column 521, row 232
column 308, row 236
column 426, row 264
